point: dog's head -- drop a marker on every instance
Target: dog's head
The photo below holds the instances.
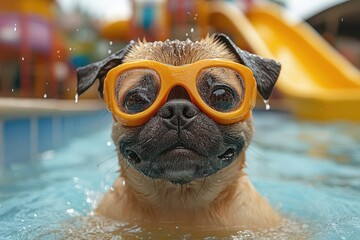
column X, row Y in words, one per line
column 181, row 142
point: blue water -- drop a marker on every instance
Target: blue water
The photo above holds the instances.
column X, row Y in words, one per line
column 310, row 172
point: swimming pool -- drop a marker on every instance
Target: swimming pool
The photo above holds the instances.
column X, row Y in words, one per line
column 309, row 171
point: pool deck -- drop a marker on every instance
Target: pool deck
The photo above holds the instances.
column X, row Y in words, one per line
column 29, row 127
column 23, row 107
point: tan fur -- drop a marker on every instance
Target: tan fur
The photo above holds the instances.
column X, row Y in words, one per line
column 179, row 52
column 224, row 199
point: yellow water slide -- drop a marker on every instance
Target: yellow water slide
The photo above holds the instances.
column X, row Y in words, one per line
column 316, row 81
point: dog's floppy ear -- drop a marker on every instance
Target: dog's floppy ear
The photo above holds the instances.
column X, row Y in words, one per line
column 87, row 75
column 266, row 71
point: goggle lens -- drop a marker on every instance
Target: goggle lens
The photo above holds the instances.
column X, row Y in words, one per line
column 136, row 90
column 220, row 88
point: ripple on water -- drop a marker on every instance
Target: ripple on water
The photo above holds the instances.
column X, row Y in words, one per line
column 307, row 171
column 98, row 227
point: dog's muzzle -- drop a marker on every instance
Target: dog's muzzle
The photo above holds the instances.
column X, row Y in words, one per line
column 183, row 152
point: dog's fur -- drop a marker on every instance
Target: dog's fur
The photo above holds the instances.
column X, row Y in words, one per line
column 224, row 198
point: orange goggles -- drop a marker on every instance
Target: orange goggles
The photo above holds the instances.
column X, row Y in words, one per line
column 224, row 90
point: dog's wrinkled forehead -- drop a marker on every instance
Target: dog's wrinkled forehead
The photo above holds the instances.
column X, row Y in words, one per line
column 179, row 52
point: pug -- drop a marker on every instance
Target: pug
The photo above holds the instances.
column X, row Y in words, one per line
column 182, row 124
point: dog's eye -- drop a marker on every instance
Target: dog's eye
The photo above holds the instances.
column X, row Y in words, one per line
column 136, row 90
column 220, row 88
column 136, row 101
column 222, row 99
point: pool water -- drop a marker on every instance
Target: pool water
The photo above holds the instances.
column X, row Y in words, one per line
column 310, row 172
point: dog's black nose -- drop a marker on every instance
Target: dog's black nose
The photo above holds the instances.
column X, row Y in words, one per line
column 178, row 112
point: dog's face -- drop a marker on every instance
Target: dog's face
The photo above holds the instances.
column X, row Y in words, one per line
column 180, row 143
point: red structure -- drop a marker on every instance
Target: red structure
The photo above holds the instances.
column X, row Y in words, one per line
column 31, row 49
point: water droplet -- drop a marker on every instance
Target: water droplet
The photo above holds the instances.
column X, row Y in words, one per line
column 188, row 12
column 22, row 59
column 109, row 51
column 108, row 143
column 12, row 90
column 305, row 226
column 22, row 220
column 177, row 227
column 69, row 49
column 267, row 105
column 58, row 51
column 342, row 19
column 123, row 183
column 111, row 43
column 45, row 95
column 192, row 30
column 68, row 89
column 77, row 29
column 76, row 98
column 46, row 83
column 186, row 34
column 70, row 211
column 219, row 181
column 35, row 215
column 112, row 189
column 15, row 27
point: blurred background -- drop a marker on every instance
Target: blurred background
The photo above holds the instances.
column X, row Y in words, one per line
column 42, row 42
column 56, row 154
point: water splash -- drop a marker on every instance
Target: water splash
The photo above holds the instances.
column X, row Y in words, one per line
column 76, row 99
column 267, row 105
column 72, row 212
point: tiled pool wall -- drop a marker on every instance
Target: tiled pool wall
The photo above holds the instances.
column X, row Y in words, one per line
column 23, row 138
